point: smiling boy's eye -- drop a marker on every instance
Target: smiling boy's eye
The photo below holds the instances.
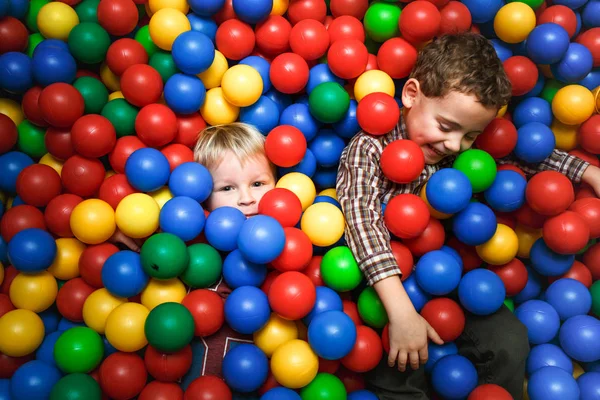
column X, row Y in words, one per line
column 445, row 128
column 257, row 184
column 226, row 188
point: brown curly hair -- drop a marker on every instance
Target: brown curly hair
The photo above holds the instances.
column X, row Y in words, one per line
column 466, row 62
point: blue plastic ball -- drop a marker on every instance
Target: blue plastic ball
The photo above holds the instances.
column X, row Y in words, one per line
column 17, row 72
column 123, row 275
column 454, row 377
column 203, row 25
column 280, row 393
column 590, row 16
column 580, row 338
column 263, row 114
column 332, row 334
column 532, row 109
column 454, row 254
column 263, row 67
column 418, row 297
column 547, row 43
column 108, row 348
column 589, row 385
column 192, row 180
column 449, row 190
column 193, row 52
column 591, row 80
column 327, row 300
column 540, row 318
column 548, row 355
column 261, row 239
column 503, row 50
column 33, row 380
column 348, row 125
column 222, row 228
column 308, row 165
column 64, row 324
column 18, row 8
column 475, row 225
column 184, row 94
column 183, row 217
column 252, row 11
column 327, row 148
column 483, row 10
column 552, row 383
column 547, row 262
column 575, row 65
column 5, row 389
column 362, row 395
column 206, row 8
column 507, row 192
column 51, row 44
column 237, row 271
column 438, row 273
column 45, row 352
column 11, row 165
column 50, row 318
column 569, row 298
column 327, row 199
column 299, row 116
column 17, row 201
column 51, row 65
column 247, row 309
column 321, row 73
column 245, row 368
column 282, row 100
column 532, row 288
column 535, row 142
column 32, row 250
column 437, row 352
column 572, row 4
column 147, row 169
column 325, row 177
column 481, row 292
column 537, row 89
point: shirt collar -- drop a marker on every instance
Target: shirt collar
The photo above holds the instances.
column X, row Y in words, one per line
column 402, row 131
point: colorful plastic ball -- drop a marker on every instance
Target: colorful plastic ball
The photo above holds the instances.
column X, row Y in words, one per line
column 245, row 368
column 191, row 180
column 514, row 22
column 475, row 225
column 11, row 164
column 141, row 85
column 323, row 223
column 285, row 146
column 566, row 233
column 297, row 252
column 535, row 142
column 14, row 35
column 168, row 367
column 549, row 193
column 33, row 379
column 454, row 376
column 548, row 355
column 183, row 217
column 235, row 39
column 292, row 295
column 122, row 375
column 34, row 291
column 156, row 125
column 591, row 40
column 252, row 12
column 381, row 21
column 238, row 271
column 324, row 386
column 578, row 338
column 501, row 248
column 532, row 109
column 204, row 268
column 184, row 94
column 222, row 228
column 587, row 134
column 216, row 110
column 569, row 298
column 247, row 309
column 18, row 72
column 438, row 273
column 93, row 136
column 276, row 332
column 122, row 274
column 118, row 17
column 436, row 352
column 55, row 20
column 124, row 53
column 166, row 25
column 478, row 166
column 522, row 73
column 22, row 332
column 31, row 250
column 38, row 184
column 61, row 105
column 406, row 216
column 261, row 239
column 272, row 35
column 552, row 383
column 455, row 18
column 507, row 193
column 65, row 263
column 347, row 58
column 373, row 81
column 378, row 113
column 169, row 327
column 332, row 334
column 18, row 218
column 93, row 221
column 9, row 139
column 294, row 364
column 483, row 11
column 575, row 65
column 329, row 102
column 540, row 318
column 97, row 308
column 547, row 43
column 339, row 269
column 208, row 386
column 420, row 21
column 309, row 39
column 327, row 300
column 89, row 43
column 449, row 190
column 164, row 256
column 280, row 393
column 51, row 65
column 289, row 73
column 147, row 169
column 481, row 292
column 242, row 85
column 193, row 52
column 207, row 309
column 588, row 384
column 367, row 351
column 78, row 349
column 137, row 215
column 573, row 104
column 125, row 327
column 547, row 262
column 76, row 386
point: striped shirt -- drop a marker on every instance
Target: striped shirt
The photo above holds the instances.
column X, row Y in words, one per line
column 362, row 188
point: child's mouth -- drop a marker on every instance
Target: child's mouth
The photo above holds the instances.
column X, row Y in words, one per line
column 433, row 149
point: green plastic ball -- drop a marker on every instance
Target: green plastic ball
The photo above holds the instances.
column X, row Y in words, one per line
column 87, row 11
column 550, row 88
column 324, row 387
column 78, row 349
column 371, row 308
column 510, row 304
column 329, row 102
column 163, row 62
column 31, row 139
column 89, row 42
column 595, row 292
column 34, row 40
column 339, row 269
column 164, row 256
column 169, row 327
column 76, row 387
column 381, row 21
column 143, row 37
column 535, row 4
column 32, row 13
column 479, row 167
column 204, row 268
column 94, row 93
column 121, row 115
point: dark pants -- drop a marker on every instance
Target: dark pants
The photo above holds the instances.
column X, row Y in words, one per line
column 496, row 344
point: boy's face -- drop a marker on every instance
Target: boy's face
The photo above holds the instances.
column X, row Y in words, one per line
column 443, row 126
column 239, row 186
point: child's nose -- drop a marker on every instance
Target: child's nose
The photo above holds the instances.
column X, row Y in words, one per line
column 453, row 144
column 246, row 198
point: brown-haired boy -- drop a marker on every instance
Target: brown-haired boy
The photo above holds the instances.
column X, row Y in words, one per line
column 455, row 90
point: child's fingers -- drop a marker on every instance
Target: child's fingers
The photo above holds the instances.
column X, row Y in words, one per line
column 413, row 358
column 392, row 356
column 402, row 358
column 433, row 335
column 424, row 355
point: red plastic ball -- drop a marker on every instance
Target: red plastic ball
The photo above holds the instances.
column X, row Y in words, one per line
column 114, row 189
column 586, row 156
column 82, row 176
column 566, row 233
column 591, row 259
column 5, row 304
column 313, row 270
column 188, row 128
column 549, row 193
column 406, row 216
column 31, row 107
column 445, row 316
column 19, row 218
column 351, row 309
column 402, row 161
column 157, row 390
column 578, row 271
column 124, row 53
column 309, row 39
column 589, row 134
column 354, row 8
column 528, row 217
column 404, row 258
column 589, row 209
column 273, row 35
column 92, row 260
column 289, row 73
column 59, row 143
column 420, row 21
column 124, row 147
column 584, row 191
column 10, row 274
column 168, row 367
column 513, row 274
column 292, row 295
column 328, row 366
column 156, row 125
column 9, row 136
column 37, row 184
column 61, row 105
column 507, row 219
column 118, row 17
column 499, row 138
column 455, row 18
column 225, row 13
column 208, row 310
column 8, row 364
column 58, row 214
column 591, row 40
column 266, row 285
column 377, row 114
column 347, row 58
column 177, row 154
column 285, row 146
column 208, row 387
column 560, row 15
column 509, row 167
column 283, row 205
column 93, row 136
column 489, row 391
column 235, row 39
column 13, row 35
column 522, row 73
column 122, row 375
column 346, row 27
column 367, row 351
column 141, row 85
column 432, row 238
column 397, row 57
column 71, row 297
column 299, row 10
column 296, row 253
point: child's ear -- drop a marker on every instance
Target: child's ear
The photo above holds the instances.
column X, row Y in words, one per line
column 410, row 92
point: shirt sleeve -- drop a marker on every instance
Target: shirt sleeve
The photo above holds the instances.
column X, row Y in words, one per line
column 570, row 166
column 359, row 186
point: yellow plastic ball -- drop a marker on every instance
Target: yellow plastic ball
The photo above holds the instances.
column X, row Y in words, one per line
column 577, row 370
column 137, row 215
column 93, row 221
column 12, row 110
column 165, row 25
column 596, row 94
column 161, row 196
column 110, row 80
column 565, row 135
column 108, row 174
column 55, row 20
column 242, row 85
column 216, row 110
column 329, row 192
column 35, row 292
column 21, row 332
column 97, row 308
column 52, row 162
column 149, row 12
column 573, row 104
column 434, row 213
column 371, row 82
column 527, row 237
column 280, row 7
column 125, row 327
column 323, row 223
column 66, row 262
column 163, row 291
column 301, row 185
column 276, row 332
column 514, row 21
column 501, row 248
column 213, row 76
column 116, row 95
column 294, row 364
column 502, row 111
column 179, row 5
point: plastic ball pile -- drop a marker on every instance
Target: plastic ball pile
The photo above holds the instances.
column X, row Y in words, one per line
column 101, row 105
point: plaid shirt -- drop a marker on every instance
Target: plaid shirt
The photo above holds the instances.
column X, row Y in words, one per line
column 362, row 188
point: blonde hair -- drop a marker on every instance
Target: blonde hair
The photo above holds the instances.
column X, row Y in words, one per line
column 243, row 140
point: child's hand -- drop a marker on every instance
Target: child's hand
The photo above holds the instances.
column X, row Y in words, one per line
column 591, row 176
column 120, row 237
